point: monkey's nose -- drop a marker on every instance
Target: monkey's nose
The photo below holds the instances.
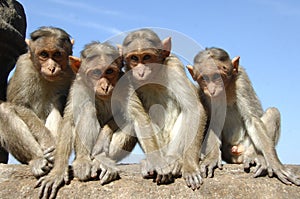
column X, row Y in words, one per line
column 51, row 69
column 105, row 88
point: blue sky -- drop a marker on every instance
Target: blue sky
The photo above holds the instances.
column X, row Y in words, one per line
column 265, row 33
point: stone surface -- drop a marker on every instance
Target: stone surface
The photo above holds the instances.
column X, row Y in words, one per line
column 16, row 181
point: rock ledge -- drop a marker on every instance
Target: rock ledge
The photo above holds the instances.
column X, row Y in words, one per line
column 16, row 181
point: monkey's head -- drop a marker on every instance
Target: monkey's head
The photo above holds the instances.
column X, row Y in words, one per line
column 214, row 71
column 49, row 51
column 144, row 53
column 99, row 67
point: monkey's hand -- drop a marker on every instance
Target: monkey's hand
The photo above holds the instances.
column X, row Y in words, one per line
column 40, row 166
column 82, row 167
column 49, row 155
column 210, row 162
column 50, row 184
column 106, row 167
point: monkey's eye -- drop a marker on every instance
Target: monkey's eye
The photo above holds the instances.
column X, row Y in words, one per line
column 95, row 74
column 134, row 58
column 57, row 54
column 205, row 78
column 146, row 57
column 109, row 71
column 216, row 77
column 44, row 54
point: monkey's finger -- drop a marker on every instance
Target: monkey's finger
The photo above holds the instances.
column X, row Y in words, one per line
column 283, row 179
column 193, row 182
column 203, row 171
column 107, row 178
column 66, row 177
column 247, row 164
column 94, row 171
column 284, row 176
column 44, row 189
column 197, row 181
column 187, row 181
column 210, row 171
column 270, row 172
column 158, row 178
column 220, row 165
column 39, row 182
column 49, row 150
column 258, row 171
column 102, row 173
column 54, row 189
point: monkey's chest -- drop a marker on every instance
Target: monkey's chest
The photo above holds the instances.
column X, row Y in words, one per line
column 234, row 130
column 162, row 109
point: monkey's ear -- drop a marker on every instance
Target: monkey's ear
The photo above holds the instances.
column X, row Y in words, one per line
column 27, row 41
column 72, row 41
column 191, row 70
column 236, row 62
column 75, row 63
column 119, row 46
column 167, row 45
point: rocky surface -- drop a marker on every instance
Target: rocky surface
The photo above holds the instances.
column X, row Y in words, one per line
column 16, row 181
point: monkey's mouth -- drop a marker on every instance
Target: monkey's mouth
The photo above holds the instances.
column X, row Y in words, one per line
column 103, row 96
column 51, row 78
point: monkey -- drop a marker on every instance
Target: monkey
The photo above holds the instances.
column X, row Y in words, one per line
column 12, row 45
column 36, row 96
column 163, row 107
column 238, row 130
column 88, row 125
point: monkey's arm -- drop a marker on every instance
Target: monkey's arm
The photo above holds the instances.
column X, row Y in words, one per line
column 50, row 184
column 248, row 107
column 211, row 153
column 190, row 135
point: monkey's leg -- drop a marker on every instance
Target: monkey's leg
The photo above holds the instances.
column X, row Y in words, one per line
column 212, row 154
column 122, row 143
column 17, row 138
column 6, row 67
column 271, row 119
column 37, row 127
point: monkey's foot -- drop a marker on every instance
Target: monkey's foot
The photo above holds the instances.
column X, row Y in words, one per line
column 210, row 162
column 105, row 169
column 193, row 179
column 163, row 169
column 82, row 168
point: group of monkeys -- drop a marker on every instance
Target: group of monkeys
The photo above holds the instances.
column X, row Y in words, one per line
column 111, row 98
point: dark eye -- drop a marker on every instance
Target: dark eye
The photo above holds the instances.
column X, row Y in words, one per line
column 57, row 54
column 216, row 77
column 205, row 78
column 44, row 54
column 95, row 74
column 109, row 71
column 134, row 58
column 146, row 57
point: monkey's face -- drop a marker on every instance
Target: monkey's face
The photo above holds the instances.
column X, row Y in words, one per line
column 49, row 58
column 103, row 80
column 144, row 64
column 209, row 79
